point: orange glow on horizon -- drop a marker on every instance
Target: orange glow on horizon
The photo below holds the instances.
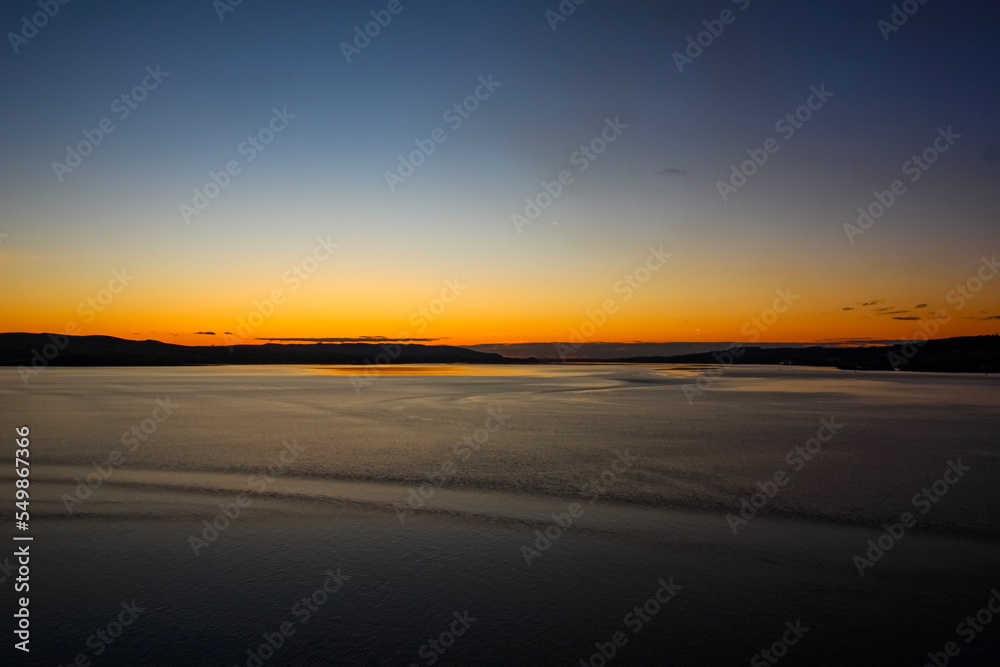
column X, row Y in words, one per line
column 682, row 302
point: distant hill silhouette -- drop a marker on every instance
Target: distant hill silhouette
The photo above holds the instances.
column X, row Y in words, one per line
column 968, row 354
column 18, row 349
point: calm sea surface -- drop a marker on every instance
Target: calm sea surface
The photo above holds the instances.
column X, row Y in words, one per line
column 433, row 489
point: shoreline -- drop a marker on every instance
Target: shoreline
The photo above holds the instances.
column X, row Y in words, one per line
column 31, row 353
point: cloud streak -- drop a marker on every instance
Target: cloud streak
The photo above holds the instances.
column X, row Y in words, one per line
column 360, row 339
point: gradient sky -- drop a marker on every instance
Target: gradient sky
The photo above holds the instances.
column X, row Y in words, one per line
column 323, row 176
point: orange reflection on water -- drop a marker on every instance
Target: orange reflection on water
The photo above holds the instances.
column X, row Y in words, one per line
column 441, row 369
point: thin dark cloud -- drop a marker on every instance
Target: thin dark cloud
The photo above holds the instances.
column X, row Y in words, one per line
column 360, row 339
column 991, row 317
column 856, row 342
column 920, row 305
column 908, row 319
column 870, row 303
column 204, row 333
column 847, row 308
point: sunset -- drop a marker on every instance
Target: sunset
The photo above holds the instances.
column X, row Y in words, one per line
column 500, row 319
column 131, row 203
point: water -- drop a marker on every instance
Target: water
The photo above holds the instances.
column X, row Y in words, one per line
column 330, row 467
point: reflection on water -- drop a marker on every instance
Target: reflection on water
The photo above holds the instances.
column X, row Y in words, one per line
column 359, row 455
column 481, row 370
column 562, row 425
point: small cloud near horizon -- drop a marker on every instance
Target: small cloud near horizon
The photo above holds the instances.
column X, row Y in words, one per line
column 857, row 342
column 920, row 305
column 909, row 318
column 871, row 303
column 360, row 339
column 204, row 333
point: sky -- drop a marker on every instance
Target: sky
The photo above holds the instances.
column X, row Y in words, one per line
column 327, row 225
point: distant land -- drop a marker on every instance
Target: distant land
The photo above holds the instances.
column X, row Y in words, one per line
column 969, row 354
column 26, row 349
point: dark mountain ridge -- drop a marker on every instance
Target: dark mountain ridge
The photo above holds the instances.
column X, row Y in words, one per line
column 30, row 349
column 967, row 354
